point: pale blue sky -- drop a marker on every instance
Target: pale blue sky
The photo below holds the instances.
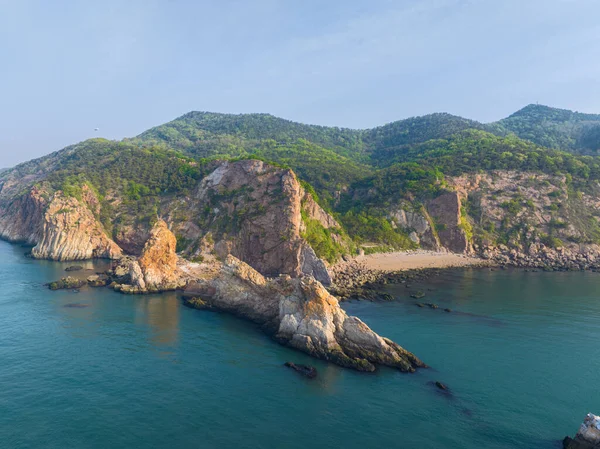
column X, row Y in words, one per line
column 123, row 66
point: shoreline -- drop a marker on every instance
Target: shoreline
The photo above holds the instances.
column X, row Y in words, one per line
column 357, row 277
column 416, row 260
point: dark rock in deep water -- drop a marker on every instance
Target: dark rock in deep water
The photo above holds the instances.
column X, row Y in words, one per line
column 305, row 370
column 441, row 386
column 76, row 305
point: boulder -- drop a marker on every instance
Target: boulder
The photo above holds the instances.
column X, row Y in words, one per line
column 588, row 436
column 66, row 283
column 98, row 280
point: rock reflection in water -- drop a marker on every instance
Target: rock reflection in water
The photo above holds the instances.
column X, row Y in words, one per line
column 161, row 314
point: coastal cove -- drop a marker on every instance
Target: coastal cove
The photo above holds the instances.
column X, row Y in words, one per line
column 96, row 368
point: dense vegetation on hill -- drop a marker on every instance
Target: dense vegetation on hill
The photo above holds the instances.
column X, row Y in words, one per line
column 138, row 177
column 473, row 150
column 206, row 134
column 556, row 128
column 356, row 174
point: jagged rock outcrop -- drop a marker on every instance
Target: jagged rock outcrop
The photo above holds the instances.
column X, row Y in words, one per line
column 61, row 228
column 588, row 436
column 70, row 231
column 299, row 312
column 157, row 268
column 253, row 211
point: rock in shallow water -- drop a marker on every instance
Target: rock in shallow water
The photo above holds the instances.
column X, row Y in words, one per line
column 588, row 436
column 305, row 370
column 74, row 268
column 66, row 283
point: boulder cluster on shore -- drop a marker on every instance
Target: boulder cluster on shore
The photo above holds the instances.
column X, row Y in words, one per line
column 542, row 257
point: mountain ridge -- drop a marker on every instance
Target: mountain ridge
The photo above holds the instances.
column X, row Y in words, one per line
column 364, row 178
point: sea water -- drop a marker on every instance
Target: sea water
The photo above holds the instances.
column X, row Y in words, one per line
column 520, row 353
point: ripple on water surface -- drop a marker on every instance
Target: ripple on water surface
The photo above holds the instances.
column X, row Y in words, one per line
column 98, row 369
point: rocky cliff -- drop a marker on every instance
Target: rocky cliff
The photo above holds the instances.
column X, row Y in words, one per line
column 61, row 228
column 299, row 313
column 510, row 217
column 253, row 211
column 250, row 209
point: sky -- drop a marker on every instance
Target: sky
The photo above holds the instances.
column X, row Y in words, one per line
column 68, row 67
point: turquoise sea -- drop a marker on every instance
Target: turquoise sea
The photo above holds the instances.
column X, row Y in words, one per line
column 96, row 369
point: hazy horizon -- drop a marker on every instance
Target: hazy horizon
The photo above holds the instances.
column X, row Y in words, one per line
column 123, row 68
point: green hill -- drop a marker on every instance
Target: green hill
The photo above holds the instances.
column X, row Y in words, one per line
column 361, row 176
column 559, row 129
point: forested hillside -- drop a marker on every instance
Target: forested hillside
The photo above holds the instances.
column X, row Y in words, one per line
column 381, row 184
column 559, row 129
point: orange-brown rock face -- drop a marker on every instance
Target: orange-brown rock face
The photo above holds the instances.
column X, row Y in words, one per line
column 159, row 261
column 156, row 269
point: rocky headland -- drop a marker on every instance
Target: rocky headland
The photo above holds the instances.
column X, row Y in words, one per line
column 296, row 311
column 300, row 313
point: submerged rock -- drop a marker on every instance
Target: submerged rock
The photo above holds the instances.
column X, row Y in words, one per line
column 300, row 313
column 74, row 268
column 66, row 283
column 441, row 386
column 418, row 295
column 305, row 370
column 588, row 436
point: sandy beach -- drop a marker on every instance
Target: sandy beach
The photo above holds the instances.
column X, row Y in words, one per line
column 407, row 260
